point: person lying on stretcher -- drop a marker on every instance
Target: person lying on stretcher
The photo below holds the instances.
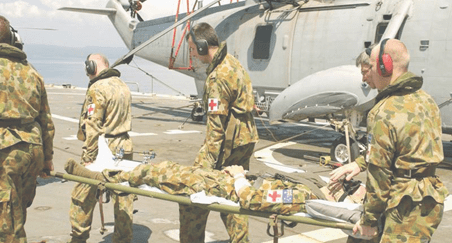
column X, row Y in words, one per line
column 281, row 195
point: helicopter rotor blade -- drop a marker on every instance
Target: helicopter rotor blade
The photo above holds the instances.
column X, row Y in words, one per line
column 139, row 17
column 157, row 36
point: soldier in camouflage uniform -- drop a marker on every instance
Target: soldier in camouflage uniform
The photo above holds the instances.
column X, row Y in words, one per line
column 404, row 149
column 231, row 131
column 26, row 135
column 276, row 196
column 106, row 110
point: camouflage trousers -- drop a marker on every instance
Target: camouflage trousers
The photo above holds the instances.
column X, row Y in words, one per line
column 81, row 213
column 20, row 166
column 83, row 202
column 412, row 221
column 193, row 219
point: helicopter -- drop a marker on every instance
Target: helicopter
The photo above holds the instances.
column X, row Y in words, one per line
column 300, row 55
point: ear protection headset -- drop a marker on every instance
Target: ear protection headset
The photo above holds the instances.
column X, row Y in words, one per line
column 202, row 47
column 384, row 61
column 90, row 66
column 15, row 38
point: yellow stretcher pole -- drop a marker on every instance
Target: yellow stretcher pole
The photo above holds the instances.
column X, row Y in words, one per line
column 212, row 207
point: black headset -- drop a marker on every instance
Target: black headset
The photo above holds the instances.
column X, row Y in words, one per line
column 90, row 66
column 202, row 47
column 15, row 38
column 368, row 51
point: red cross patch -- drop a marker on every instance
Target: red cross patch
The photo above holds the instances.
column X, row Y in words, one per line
column 212, row 104
column 91, row 109
column 274, row 196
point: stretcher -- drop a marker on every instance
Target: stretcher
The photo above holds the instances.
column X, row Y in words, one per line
column 106, row 160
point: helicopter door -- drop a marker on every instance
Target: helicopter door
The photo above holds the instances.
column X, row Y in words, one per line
column 269, row 51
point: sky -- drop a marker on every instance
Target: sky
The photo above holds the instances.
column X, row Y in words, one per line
column 72, row 29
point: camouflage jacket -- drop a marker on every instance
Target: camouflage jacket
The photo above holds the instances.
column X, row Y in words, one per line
column 106, row 110
column 404, row 133
column 277, row 196
column 23, row 102
column 227, row 91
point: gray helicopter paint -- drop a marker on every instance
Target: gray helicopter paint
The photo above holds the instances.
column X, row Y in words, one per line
column 308, row 99
column 320, row 35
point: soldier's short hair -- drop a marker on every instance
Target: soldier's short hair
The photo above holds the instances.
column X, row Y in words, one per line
column 363, row 57
column 206, row 32
column 5, row 30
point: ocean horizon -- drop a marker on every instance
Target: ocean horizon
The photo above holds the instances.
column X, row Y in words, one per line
column 65, row 65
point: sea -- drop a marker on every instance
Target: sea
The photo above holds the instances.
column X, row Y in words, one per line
column 61, row 65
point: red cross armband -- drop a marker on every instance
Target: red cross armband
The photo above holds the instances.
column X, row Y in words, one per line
column 215, row 106
column 90, row 109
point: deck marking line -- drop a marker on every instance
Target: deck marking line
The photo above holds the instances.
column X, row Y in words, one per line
column 180, row 132
column 72, row 137
column 174, row 234
column 137, row 134
column 326, row 234
column 64, row 118
column 265, row 156
column 295, row 239
column 315, row 236
column 448, row 203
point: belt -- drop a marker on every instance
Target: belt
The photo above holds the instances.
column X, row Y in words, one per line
column 15, row 122
column 416, row 173
column 115, row 136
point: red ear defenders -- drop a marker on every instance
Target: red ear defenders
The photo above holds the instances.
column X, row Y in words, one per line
column 384, row 61
column 201, row 45
column 90, row 66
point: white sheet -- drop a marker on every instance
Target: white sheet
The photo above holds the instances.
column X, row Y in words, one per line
column 105, row 159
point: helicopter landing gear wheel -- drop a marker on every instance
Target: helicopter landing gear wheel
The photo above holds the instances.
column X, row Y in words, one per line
column 339, row 151
column 197, row 113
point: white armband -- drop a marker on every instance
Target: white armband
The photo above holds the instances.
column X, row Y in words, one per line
column 240, row 183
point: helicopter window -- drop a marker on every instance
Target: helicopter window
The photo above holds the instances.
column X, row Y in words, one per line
column 261, row 49
column 381, row 28
column 380, row 31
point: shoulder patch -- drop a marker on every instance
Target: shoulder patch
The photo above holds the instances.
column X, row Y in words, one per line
column 90, row 109
column 280, row 196
column 274, row 196
column 212, row 104
column 287, row 196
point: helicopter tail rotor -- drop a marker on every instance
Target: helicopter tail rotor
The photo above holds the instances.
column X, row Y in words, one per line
column 134, row 6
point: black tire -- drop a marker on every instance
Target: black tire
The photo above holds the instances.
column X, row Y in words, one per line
column 339, row 152
column 197, row 118
column 197, row 114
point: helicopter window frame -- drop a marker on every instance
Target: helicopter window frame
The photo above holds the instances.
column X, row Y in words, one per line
column 381, row 28
column 262, row 41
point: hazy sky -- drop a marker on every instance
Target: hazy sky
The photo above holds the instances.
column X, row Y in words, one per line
column 74, row 29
